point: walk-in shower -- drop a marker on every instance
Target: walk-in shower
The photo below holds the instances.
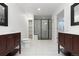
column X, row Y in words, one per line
column 43, row 28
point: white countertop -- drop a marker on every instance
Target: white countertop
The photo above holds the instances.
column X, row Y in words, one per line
column 8, row 33
column 69, row 33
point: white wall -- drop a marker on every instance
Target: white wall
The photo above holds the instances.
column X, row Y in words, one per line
column 54, row 27
column 54, row 21
column 29, row 16
column 16, row 21
column 67, row 22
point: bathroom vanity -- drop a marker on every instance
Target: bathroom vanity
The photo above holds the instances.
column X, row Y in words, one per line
column 9, row 42
column 70, row 43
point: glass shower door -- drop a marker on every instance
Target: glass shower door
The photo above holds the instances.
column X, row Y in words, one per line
column 44, row 29
column 41, row 29
column 38, row 28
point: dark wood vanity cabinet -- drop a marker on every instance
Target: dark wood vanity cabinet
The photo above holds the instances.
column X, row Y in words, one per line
column 9, row 42
column 70, row 42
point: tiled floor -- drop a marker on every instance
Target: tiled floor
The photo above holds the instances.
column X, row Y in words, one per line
column 39, row 48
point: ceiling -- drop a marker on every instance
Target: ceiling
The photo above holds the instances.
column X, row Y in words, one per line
column 45, row 8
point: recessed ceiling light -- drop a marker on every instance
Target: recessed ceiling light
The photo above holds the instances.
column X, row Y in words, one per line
column 38, row 9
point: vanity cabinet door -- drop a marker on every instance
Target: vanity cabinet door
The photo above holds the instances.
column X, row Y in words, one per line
column 75, row 43
column 10, row 42
column 16, row 40
column 68, row 42
column 2, row 45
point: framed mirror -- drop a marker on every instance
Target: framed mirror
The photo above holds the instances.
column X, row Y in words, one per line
column 75, row 14
column 3, row 14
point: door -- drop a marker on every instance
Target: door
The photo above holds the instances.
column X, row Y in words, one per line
column 37, row 28
column 44, row 29
column 68, row 42
column 10, row 42
column 2, row 45
column 41, row 28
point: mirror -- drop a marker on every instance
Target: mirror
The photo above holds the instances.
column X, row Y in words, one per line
column 75, row 14
column 3, row 14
